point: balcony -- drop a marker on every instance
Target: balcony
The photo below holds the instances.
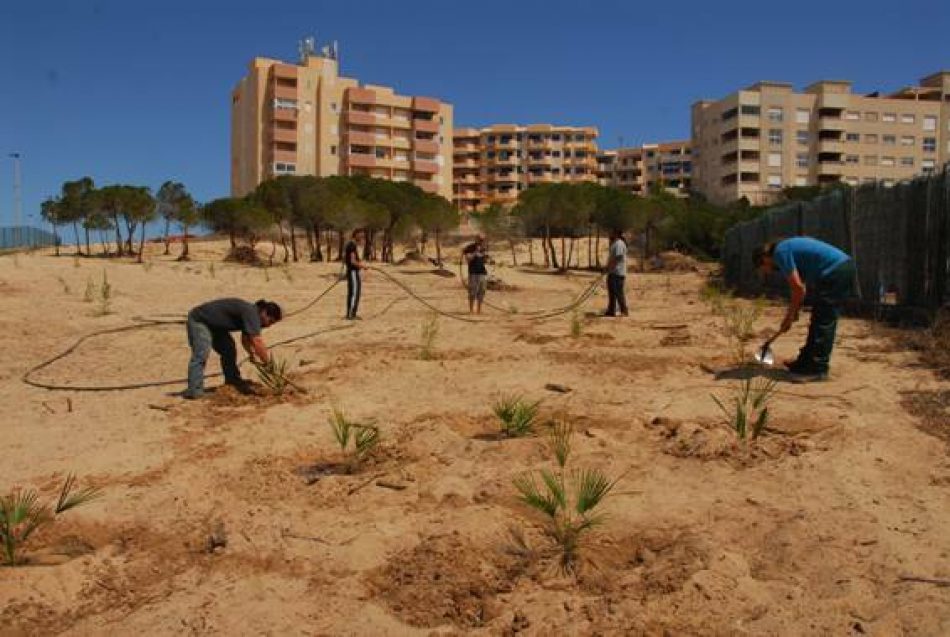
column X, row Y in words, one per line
column 282, row 91
column 426, row 125
column 425, row 166
column 466, row 163
column 284, row 115
column 284, row 71
column 426, row 104
column 360, row 160
column 284, row 156
column 427, row 185
column 283, row 134
column 360, row 137
column 830, row 168
column 361, row 96
column 546, row 178
column 425, row 146
column 830, row 146
column 363, row 118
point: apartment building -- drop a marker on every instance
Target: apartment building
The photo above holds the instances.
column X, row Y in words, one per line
column 494, row 164
column 306, row 119
column 639, row 169
column 767, row 137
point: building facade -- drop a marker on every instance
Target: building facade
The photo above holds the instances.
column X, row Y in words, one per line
column 306, row 119
column 494, row 164
column 639, row 169
column 767, row 137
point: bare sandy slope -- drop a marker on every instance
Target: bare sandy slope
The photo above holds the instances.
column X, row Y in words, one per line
column 810, row 533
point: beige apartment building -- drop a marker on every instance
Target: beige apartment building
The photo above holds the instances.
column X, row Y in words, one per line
column 306, row 119
column 767, row 137
column 639, row 169
column 494, row 164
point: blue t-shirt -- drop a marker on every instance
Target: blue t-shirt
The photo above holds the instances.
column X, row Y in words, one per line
column 812, row 258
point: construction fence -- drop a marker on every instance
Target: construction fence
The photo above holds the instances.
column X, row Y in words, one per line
column 25, row 237
column 899, row 238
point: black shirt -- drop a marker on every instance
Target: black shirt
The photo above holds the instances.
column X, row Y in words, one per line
column 231, row 315
column 351, row 255
column 476, row 265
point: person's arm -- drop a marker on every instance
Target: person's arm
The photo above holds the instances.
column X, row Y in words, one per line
column 611, row 259
column 255, row 348
column 798, row 290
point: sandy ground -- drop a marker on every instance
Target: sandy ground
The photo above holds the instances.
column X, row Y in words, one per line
column 811, row 532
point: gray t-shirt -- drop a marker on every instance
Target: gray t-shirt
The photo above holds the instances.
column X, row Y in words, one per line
column 618, row 250
column 229, row 314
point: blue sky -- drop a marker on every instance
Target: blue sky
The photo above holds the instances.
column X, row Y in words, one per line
column 137, row 91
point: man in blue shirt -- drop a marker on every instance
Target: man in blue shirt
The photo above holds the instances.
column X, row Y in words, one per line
column 828, row 274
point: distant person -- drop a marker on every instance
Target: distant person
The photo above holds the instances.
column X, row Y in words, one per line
column 810, row 265
column 354, row 283
column 616, row 275
column 476, row 255
column 210, row 326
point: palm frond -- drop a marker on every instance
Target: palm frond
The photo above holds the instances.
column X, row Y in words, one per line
column 592, row 487
column 534, row 498
column 366, row 439
column 341, row 428
column 69, row 500
column 560, row 441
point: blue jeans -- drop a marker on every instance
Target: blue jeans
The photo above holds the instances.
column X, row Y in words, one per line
column 615, row 294
column 353, row 288
column 202, row 339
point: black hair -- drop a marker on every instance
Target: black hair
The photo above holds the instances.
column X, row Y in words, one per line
column 763, row 251
column 271, row 309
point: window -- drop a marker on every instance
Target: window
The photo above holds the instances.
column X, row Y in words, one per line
column 907, row 140
column 285, row 103
column 852, row 115
column 852, row 137
column 907, row 118
column 870, row 116
column 851, row 159
column 801, row 116
column 775, row 136
column 870, row 160
column 930, row 122
column 556, row 153
column 801, row 181
column 333, row 150
column 887, row 161
column 889, row 117
column 888, row 183
column 927, row 166
column 889, row 140
column 775, row 114
column 870, row 138
column 907, row 161
column 749, row 109
column 281, row 168
column 775, row 181
column 802, row 137
column 775, row 160
column 801, row 160
column 930, row 144
column 381, row 153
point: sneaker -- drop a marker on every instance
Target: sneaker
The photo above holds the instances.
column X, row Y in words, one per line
column 809, row 376
column 241, row 386
column 192, row 395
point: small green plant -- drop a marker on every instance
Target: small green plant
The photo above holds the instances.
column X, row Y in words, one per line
column 748, row 410
column 365, row 438
column 21, row 514
column 274, row 375
column 104, row 296
column 430, row 331
column 577, row 324
column 516, row 415
column 568, row 500
column 89, row 295
column 65, row 284
column 211, row 270
column 739, row 318
column 266, row 274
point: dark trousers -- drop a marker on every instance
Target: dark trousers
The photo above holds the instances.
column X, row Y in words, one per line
column 616, row 295
column 353, row 288
column 828, row 295
column 202, row 340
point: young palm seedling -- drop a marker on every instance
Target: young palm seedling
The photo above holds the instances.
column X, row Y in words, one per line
column 739, row 318
column 516, row 415
column 274, row 376
column 577, row 324
column 430, row 331
column 365, row 438
column 568, row 500
column 21, row 514
column 748, row 411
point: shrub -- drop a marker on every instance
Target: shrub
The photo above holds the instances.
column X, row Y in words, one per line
column 516, row 415
column 21, row 514
column 365, row 438
column 568, row 500
column 748, row 411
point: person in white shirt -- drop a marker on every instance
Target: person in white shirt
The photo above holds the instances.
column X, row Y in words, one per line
column 616, row 275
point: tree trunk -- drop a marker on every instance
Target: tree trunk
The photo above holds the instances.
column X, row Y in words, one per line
column 553, row 254
column 88, row 249
column 141, row 244
column 570, row 254
column 564, row 263
column 438, row 248
column 118, row 235
column 590, row 256
column 514, row 255
column 56, row 238
column 76, row 232
column 293, row 242
column 530, row 251
column 184, row 256
column 329, row 245
column 544, row 246
column 597, row 247
column 168, row 245
column 283, row 243
column 339, row 246
column 232, row 238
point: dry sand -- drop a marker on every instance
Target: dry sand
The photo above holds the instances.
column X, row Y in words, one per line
column 810, row 533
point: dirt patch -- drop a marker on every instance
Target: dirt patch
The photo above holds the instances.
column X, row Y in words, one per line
column 932, row 410
column 713, row 441
column 445, row 579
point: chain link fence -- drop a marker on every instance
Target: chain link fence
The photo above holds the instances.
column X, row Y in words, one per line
column 899, row 238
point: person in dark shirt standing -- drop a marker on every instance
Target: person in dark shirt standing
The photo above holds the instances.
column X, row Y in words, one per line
column 616, row 275
column 810, row 265
column 476, row 256
column 354, row 284
column 209, row 327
